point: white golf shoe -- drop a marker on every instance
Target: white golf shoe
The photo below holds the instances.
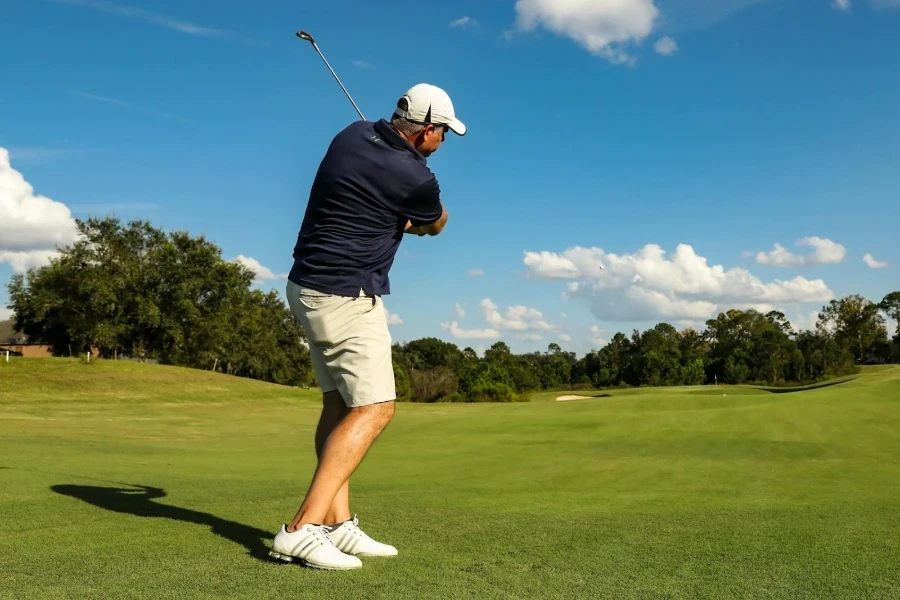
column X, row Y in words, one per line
column 310, row 546
column 350, row 539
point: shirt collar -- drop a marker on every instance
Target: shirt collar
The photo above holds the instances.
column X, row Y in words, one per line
column 387, row 133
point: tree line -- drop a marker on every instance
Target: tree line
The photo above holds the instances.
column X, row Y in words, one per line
column 737, row 347
column 130, row 289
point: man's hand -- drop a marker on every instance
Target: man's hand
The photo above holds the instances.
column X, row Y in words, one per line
column 413, row 230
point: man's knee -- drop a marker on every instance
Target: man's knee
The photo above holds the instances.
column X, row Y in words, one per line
column 380, row 413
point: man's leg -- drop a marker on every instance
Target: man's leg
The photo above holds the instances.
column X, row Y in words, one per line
column 334, row 409
column 342, row 453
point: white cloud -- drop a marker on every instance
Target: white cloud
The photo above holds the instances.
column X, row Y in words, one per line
column 525, row 323
column 23, row 260
column 825, row 252
column 841, row 4
column 262, row 273
column 475, row 273
column 805, row 322
column 5, row 313
column 464, row 22
column 597, row 336
column 890, row 324
column 517, row 318
column 667, row 46
column 393, row 319
column 565, row 337
column 650, row 285
column 32, row 226
column 873, row 264
column 600, row 26
column 469, row 334
column 361, row 64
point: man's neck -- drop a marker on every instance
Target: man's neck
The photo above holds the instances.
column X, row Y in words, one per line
column 408, row 138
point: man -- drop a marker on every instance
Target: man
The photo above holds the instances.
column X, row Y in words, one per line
column 372, row 187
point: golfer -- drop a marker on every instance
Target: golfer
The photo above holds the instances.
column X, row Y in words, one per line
column 372, row 187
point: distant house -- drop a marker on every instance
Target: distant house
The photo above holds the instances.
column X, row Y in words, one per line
column 17, row 342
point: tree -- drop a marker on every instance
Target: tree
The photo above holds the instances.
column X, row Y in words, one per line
column 401, row 383
column 430, row 353
column 131, row 289
column 891, row 305
column 857, row 325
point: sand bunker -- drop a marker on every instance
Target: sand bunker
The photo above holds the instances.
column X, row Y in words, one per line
column 570, row 398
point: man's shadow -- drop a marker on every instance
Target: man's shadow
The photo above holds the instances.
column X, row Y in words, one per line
column 139, row 501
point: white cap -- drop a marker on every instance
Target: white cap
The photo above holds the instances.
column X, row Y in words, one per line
column 428, row 104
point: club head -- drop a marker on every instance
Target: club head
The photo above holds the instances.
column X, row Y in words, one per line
column 305, row 36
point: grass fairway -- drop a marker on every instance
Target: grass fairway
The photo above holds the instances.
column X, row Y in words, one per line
column 131, row 481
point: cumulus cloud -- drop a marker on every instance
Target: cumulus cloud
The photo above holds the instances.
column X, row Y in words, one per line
column 393, row 319
column 262, row 273
column 463, row 22
column 597, row 336
column 650, row 285
column 667, row 46
column 5, row 313
column 872, row 263
column 21, row 261
column 32, row 226
column 805, row 322
column 565, row 337
column 603, row 27
column 475, row 273
column 825, row 252
column 522, row 322
column 516, row 318
column 470, row 334
column 841, row 4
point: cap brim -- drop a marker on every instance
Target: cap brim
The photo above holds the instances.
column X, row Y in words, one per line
column 457, row 127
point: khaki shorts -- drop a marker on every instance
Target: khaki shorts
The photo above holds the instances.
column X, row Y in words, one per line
column 349, row 342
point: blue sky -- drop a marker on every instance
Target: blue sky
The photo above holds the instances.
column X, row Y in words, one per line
column 707, row 158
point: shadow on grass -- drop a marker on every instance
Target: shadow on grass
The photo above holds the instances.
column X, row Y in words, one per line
column 140, row 501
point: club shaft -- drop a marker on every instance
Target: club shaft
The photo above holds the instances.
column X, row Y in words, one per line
column 319, row 52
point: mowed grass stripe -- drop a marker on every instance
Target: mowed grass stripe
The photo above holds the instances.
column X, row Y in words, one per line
column 674, row 493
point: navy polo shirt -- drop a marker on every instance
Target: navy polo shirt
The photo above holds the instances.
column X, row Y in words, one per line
column 370, row 183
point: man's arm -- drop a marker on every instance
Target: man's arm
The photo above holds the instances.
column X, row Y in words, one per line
column 424, row 210
column 433, row 229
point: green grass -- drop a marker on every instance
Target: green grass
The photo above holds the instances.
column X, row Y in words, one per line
column 121, row 480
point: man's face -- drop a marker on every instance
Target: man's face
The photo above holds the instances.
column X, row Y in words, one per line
column 430, row 139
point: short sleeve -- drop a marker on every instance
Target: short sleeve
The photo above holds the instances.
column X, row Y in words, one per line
column 423, row 205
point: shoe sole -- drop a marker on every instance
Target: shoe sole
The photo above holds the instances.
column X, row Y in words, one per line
column 287, row 558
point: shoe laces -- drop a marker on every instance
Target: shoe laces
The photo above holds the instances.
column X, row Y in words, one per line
column 353, row 526
column 319, row 534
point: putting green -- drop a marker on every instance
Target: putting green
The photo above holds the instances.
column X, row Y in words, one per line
column 120, row 480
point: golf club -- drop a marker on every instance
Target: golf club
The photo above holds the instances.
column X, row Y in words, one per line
column 305, row 36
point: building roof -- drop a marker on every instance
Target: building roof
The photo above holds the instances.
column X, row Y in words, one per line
column 9, row 335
